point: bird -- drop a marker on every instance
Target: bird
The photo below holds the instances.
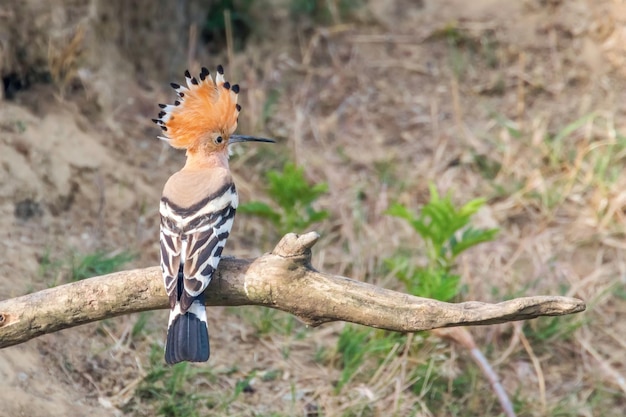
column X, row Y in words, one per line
column 198, row 204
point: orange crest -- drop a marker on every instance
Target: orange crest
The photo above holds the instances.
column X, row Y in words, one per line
column 202, row 108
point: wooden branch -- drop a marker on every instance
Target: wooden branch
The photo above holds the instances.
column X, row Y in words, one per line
column 283, row 279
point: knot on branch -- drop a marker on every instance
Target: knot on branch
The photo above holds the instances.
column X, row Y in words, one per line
column 293, row 245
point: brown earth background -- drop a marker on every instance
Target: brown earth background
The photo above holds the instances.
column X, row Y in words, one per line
column 520, row 102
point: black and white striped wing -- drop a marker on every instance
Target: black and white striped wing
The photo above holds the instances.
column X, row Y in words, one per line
column 202, row 232
column 171, row 246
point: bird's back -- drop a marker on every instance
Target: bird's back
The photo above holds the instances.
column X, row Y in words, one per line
column 188, row 188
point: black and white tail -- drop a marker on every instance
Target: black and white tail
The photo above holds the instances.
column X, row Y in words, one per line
column 188, row 334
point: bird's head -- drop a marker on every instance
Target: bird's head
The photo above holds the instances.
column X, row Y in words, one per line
column 204, row 116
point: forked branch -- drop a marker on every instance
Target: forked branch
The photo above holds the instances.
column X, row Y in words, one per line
column 283, row 279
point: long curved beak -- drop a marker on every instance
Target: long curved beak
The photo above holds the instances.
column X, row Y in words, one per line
column 244, row 138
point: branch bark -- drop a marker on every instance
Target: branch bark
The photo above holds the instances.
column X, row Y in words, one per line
column 283, row 279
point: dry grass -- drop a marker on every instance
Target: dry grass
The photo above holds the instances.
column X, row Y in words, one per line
column 483, row 104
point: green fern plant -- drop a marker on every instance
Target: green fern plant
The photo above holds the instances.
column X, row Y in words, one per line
column 446, row 233
column 293, row 198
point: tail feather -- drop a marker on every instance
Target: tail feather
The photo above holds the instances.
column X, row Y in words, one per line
column 187, row 335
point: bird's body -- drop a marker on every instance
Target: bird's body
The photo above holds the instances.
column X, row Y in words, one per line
column 197, row 211
column 197, row 207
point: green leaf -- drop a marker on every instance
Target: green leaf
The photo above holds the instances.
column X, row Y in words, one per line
column 472, row 237
column 399, row 210
column 260, row 209
column 469, row 209
column 316, row 216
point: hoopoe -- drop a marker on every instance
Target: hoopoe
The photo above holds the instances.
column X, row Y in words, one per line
column 198, row 205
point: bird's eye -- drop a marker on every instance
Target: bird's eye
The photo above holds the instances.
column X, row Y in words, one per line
column 219, row 140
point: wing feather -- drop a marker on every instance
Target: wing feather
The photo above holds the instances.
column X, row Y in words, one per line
column 171, row 245
column 191, row 249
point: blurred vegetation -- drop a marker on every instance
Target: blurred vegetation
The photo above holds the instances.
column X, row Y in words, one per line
column 76, row 267
column 166, row 389
column 293, row 199
column 324, row 12
column 242, row 21
column 446, row 232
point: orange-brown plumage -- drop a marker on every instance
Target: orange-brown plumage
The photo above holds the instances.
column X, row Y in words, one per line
column 205, row 109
